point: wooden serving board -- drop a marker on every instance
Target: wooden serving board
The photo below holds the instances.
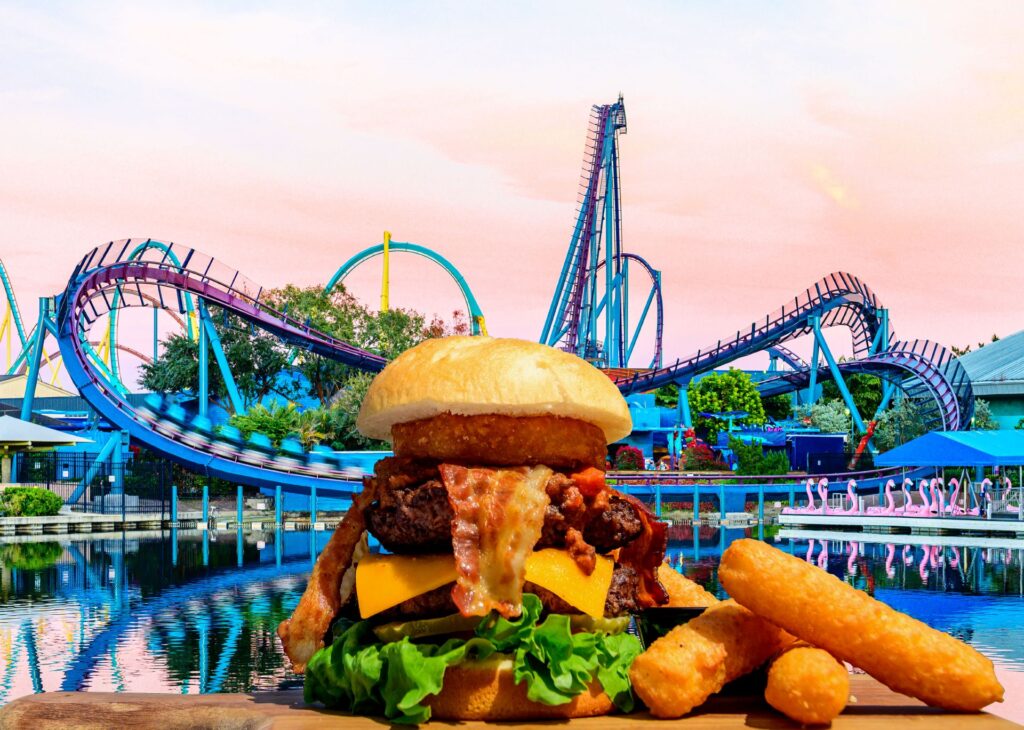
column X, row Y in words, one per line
column 873, row 706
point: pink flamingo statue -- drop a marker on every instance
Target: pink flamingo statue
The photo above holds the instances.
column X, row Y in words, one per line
column 851, row 560
column 810, row 502
column 908, row 501
column 823, row 555
column 852, row 496
column 922, row 569
column 1014, row 508
column 823, row 496
column 925, row 508
column 809, row 557
column 938, row 497
column 908, row 555
column 890, row 553
column 953, row 508
column 890, row 504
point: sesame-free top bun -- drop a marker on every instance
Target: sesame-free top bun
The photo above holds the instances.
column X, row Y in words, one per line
column 469, row 376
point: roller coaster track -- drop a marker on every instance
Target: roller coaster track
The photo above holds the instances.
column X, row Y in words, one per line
column 118, row 275
column 927, row 370
column 839, row 300
column 931, row 376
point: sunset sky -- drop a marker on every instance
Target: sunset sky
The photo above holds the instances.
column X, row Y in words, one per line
column 769, row 144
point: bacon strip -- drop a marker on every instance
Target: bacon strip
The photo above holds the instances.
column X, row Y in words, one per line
column 499, row 514
column 645, row 553
column 302, row 635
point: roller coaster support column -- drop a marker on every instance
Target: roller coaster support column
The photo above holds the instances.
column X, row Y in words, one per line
column 812, row 386
column 204, row 371
column 837, row 375
column 35, row 357
column 107, row 453
column 385, row 279
column 683, row 416
column 207, row 328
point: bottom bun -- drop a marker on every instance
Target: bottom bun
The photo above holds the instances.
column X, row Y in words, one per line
column 487, row 691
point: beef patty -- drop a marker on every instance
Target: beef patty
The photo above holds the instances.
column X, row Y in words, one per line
column 417, row 518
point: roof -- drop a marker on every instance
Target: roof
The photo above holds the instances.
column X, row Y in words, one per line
column 13, row 386
column 17, row 435
column 998, row 367
column 958, row 448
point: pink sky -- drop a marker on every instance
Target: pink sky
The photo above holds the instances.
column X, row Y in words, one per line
column 768, row 145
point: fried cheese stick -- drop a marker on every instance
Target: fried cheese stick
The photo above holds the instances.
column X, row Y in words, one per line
column 901, row 652
column 808, row 685
column 683, row 592
column 691, row 662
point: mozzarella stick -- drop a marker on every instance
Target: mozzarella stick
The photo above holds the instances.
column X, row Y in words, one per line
column 693, row 661
column 808, row 685
column 683, row 592
column 897, row 650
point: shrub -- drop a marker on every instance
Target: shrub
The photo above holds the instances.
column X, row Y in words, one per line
column 752, row 461
column 30, row 555
column 775, row 462
column 629, row 458
column 29, row 502
column 700, row 457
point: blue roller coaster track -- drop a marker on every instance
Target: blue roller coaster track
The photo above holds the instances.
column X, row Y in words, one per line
column 123, row 274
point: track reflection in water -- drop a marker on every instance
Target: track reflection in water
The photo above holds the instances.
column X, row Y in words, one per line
column 196, row 613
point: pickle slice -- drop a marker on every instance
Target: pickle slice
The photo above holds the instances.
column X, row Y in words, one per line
column 459, row 624
column 418, row 628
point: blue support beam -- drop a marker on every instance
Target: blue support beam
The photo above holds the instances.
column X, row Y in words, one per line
column 35, row 359
column 206, row 325
column 113, row 443
column 837, row 375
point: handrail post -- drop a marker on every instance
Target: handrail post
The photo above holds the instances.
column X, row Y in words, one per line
column 174, row 505
column 206, row 506
column 278, row 507
column 238, row 503
column 312, row 507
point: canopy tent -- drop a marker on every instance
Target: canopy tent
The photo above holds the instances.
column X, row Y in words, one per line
column 17, row 436
column 958, row 448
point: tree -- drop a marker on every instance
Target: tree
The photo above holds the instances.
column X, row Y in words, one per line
column 901, row 422
column 865, row 389
column 254, row 357
column 343, row 412
column 732, row 390
column 778, row 407
column 828, row 416
column 983, row 419
column 667, row 396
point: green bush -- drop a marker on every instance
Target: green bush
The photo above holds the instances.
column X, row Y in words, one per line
column 29, row 502
column 30, row 555
column 752, row 461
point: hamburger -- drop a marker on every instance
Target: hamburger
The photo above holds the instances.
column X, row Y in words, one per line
column 507, row 567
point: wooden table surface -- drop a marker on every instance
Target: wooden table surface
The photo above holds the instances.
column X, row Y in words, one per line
column 872, row 706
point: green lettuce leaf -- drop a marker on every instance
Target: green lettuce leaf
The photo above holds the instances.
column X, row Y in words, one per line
column 359, row 673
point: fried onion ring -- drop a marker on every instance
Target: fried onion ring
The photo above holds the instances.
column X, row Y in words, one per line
column 496, row 440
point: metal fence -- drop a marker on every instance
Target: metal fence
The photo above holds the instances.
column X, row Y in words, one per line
column 132, row 487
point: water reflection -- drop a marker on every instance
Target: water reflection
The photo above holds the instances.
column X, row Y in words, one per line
column 196, row 613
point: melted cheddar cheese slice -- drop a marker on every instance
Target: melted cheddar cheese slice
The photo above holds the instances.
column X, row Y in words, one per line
column 384, row 581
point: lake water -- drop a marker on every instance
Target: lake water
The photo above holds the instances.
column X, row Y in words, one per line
column 193, row 613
